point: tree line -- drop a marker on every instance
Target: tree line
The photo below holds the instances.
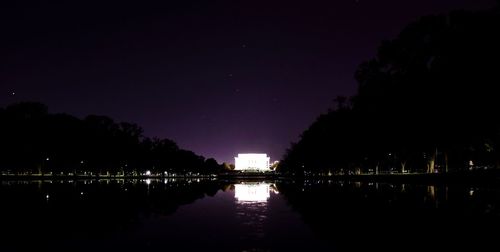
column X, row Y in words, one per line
column 33, row 141
column 428, row 102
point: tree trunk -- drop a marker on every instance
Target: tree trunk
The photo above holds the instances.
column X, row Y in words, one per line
column 446, row 161
column 431, row 164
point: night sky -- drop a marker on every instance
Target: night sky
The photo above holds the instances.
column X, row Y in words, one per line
column 217, row 77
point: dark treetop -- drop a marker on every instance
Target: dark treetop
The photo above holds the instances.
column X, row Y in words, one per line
column 34, row 141
column 427, row 102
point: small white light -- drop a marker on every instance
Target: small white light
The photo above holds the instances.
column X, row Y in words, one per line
column 47, row 196
column 47, row 159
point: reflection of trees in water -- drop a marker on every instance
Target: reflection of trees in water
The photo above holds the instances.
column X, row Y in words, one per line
column 381, row 215
column 76, row 209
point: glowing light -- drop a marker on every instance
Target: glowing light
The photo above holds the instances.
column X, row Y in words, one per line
column 148, row 173
column 252, row 161
column 148, row 181
column 47, row 159
column 47, row 196
column 258, row 192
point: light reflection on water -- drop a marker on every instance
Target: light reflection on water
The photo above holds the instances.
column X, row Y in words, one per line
column 230, row 216
column 252, row 208
column 251, row 192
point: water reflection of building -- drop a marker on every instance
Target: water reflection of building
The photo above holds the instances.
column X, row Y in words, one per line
column 252, row 209
column 252, row 162
column 252, row 192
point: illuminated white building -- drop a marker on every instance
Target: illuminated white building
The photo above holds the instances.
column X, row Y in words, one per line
column 251, row 162
column 253, row 192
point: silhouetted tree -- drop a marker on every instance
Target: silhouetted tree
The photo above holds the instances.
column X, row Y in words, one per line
column 427, row 102
column 34, row 141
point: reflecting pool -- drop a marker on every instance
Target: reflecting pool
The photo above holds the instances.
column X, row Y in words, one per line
column 226, row 215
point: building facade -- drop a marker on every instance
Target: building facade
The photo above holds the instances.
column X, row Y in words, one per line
column 252, row 162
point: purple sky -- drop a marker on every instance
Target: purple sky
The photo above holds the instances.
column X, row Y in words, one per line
column 218, row 78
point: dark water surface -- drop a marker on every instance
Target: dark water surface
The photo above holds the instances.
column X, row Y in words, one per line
column 215, row 215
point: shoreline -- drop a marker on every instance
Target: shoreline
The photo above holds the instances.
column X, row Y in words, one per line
column 484, row 176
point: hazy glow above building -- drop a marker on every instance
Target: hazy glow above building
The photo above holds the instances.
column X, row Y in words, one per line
column 258, row 192
column 251, row 162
